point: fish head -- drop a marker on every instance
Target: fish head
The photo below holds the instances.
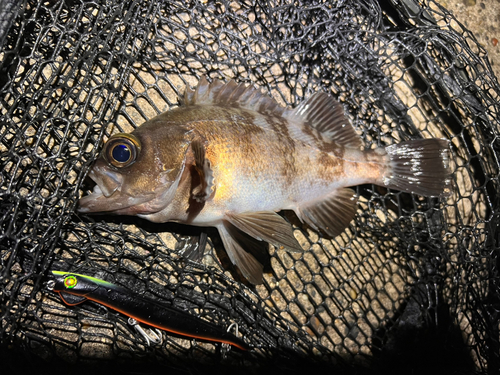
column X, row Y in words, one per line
column 137, row 173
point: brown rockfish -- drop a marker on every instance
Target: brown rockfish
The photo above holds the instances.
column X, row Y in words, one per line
column 231, row 157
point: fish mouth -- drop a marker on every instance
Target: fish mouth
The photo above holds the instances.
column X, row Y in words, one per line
column 107, row 197
column 94, row 202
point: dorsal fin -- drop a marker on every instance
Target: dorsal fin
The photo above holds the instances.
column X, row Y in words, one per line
column 320, row 112
column 325, row 115
column 231, row 94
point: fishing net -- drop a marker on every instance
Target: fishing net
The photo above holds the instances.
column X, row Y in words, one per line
column 412, row 283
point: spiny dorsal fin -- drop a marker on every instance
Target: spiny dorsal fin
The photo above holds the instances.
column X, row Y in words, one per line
column 231, row 94
column 325, row 115
column 320, row 112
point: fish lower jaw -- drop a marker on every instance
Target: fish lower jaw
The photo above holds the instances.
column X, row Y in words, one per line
column 119, row 203
column 85, row 203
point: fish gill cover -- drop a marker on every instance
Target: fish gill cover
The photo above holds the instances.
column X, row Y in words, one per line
column 412, row 283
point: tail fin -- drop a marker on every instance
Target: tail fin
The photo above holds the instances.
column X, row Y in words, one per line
column 419, row 166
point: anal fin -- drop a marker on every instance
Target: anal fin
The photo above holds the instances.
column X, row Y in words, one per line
column 331, row 215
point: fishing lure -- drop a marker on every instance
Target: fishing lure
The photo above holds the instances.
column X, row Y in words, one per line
column 75, row 289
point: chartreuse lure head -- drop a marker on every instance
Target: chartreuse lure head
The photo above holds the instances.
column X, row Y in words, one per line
column 75, row 288
column 77, row 284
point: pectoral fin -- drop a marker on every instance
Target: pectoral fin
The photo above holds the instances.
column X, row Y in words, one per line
column 204, row 189
column 235, row 244
column 331, row 215
column 193, row 247
column 267, row 226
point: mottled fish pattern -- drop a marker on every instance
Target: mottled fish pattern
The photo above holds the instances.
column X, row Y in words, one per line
column 231, row 157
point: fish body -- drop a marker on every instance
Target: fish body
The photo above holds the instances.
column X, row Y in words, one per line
column 231, row 157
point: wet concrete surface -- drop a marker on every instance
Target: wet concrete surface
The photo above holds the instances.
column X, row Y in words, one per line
column 482, row 18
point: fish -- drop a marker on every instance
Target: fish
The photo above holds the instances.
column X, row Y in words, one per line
column 231, row 157
column 75, row 288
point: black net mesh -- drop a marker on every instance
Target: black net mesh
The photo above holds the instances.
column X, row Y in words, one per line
column 412, row 283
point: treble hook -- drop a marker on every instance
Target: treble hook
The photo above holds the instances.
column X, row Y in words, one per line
column 155, row 338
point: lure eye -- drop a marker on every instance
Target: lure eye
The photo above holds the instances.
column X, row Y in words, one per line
column 121, row 150
column 70, row 282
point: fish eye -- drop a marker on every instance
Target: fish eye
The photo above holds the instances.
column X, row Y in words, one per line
column 121, row 153
column 121, row 150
